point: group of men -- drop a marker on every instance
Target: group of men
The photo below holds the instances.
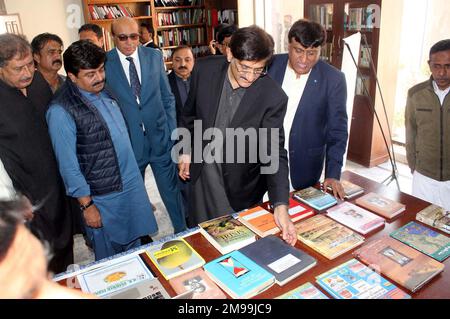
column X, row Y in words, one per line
column 116, row 113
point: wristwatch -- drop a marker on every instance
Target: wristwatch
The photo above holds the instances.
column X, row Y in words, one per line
column 86, row 206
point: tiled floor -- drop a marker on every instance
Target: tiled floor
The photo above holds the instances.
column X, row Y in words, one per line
column 83, row 255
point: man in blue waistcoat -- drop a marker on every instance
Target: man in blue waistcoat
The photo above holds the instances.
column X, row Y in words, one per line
column 95, row 157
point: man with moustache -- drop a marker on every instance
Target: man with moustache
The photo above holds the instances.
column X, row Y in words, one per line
column 427, row 130
column 316, row 117
column 47, row 54
column 138, row 79
column 180, row 77
column 26, row 150
column 95, row 157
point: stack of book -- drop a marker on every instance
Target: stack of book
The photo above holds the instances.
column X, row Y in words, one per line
column 381, row 205
column 436, row 217
column 402, row 264
column 315, row 198
column 239, row 276
column 356, row 218
column 327, row 237
column 353, row 280
column 283, row 261
column 174, row 258
column 226, row 233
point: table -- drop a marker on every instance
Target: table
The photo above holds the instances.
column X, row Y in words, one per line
column 438, row 288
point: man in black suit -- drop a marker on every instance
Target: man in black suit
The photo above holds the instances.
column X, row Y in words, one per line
column 180, row 77
column 230, row 94
column 146, row 35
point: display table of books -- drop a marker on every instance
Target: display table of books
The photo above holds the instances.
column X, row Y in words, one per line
column 378, row 243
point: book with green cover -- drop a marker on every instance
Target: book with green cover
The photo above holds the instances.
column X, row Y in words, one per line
column 425, row 240
column 227, row 233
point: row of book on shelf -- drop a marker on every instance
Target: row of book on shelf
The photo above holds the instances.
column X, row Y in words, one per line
column 359, row 19
column 197, row 51
column 254, row 258
column 175, row 3
column 196, row 16
column 101, row 12
column 176, row 37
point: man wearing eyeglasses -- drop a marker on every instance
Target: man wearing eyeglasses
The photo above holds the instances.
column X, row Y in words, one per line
column 47, row 54
column 138, row 79
column 229, row 93
column 316, row 118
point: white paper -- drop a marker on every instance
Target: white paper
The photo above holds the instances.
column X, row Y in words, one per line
column 284, row 263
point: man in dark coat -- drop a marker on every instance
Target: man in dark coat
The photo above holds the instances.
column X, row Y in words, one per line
column 26, row 150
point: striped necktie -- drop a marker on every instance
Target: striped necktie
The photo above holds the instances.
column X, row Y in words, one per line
column 134, row 79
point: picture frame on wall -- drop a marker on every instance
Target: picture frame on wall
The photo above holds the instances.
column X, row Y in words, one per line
column 10, row 23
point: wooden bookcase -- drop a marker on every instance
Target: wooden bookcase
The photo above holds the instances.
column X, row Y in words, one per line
column 176, row 22
column 342, row 18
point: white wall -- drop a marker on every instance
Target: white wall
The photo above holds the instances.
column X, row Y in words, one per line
column 61, row 17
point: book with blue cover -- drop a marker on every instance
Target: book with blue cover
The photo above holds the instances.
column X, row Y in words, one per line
column 424, row 239
column 238, row 275
column 280, row 259
column 307, row 291
column 354, row 280
column 315, row 198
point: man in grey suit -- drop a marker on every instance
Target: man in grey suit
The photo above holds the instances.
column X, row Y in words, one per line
column 137, row 77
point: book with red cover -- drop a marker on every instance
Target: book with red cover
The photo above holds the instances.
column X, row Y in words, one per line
column 381, row 205
column 402, row 264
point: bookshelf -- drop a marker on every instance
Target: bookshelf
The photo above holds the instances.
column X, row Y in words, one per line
column 342, row 19
column 175, row 22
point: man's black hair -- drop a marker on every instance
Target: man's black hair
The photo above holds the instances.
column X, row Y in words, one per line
column 92, row 27
column 42, row 39
column 225, row 31
column 252, row 44
column 308, row 33
column 83, row 55
column 441, row 46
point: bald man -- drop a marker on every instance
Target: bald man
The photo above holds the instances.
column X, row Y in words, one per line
column 137, row 77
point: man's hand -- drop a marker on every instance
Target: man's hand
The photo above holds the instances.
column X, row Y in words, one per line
column 92, row 217
column 212, row 47
column 184, row 164
column 28, row 213
column 286, row 225
column 336, row 186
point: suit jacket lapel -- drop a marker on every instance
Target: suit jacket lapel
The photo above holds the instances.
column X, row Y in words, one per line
column 120, row 75
column 218, row 77
column 145, row 71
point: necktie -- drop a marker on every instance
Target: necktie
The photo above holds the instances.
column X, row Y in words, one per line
column 134, row 78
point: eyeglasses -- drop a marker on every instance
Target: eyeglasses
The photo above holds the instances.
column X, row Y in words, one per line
column 124, row 37
column 243, row 69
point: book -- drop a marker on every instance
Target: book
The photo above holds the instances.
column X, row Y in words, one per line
column 355, row 217
column 436, row 217
column 174, row 258
column 425, row 240
column 354, row 280
column 380, row 205
column 351, row 190
column 315, row 198
column 283, row 261
column 297, row 211
column 226, row 233
column 238, row 275
column 400, row 263
column 327, row 237
column 115, row 277
column 197, row 280
column 307, row 291
column 148, row 289
column 260, row 221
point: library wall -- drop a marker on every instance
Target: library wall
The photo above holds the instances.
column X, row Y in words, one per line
column 54, row 16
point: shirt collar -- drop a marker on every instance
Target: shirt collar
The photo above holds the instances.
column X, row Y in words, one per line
column 124, row 57
column 438, row 90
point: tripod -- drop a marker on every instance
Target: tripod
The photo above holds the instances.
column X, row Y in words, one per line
column 391, row 153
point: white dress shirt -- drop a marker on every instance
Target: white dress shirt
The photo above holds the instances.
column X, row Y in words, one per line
column 6, row 186
column 126, row 64
column 440, row 93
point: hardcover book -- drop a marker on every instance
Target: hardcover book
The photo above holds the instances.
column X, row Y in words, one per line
column 354, row 280
column 283, row 261
column 351, row 190
column 380, row 205
column 148, row 289
column 116, row 277
column 174, row 258
column 202, row 286
column 297, row 211
column 307, row 291
column 355, row 217
column 260, row 221
column 425, row 240
column 436, row 217
column 402, row 264
column 315, row 198
column 238, row 275
column 227, row 234
column 327, row 237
